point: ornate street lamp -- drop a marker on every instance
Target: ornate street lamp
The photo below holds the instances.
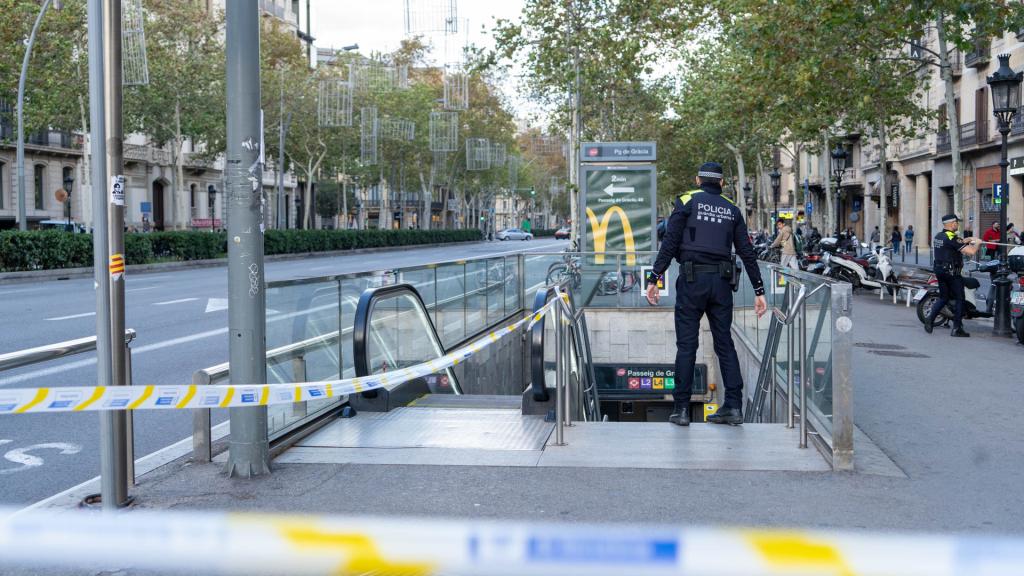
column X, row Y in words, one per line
column 839, row 157
column 1005, row 85
column 68, row 184
column 776, row 182
column 211, row 201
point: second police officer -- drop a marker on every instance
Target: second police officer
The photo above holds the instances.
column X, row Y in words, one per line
column 949, row 263
column 702, row 232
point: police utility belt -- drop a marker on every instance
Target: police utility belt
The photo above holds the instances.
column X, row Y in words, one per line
column 727, row 269
column 948, row 268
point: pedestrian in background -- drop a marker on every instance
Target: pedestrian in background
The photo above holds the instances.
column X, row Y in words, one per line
column 1012, row 237
column 895, row 239
column 991, row 236
column 909, row 237
column 875, row 239
column 784, row 240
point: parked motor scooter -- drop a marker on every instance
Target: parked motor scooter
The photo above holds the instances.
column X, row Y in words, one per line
column 926, row 297
column 849, row 270
column 1016, row 262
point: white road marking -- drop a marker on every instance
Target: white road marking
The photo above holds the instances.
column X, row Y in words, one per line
column 141, row 289
column 83, row 315
column 21, row 291
column 218, row 304
column 43, row 372
column 27, row 461
column 179, row 301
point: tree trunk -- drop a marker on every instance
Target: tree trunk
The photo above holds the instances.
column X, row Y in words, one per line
column 952, row 118
column 883, row 184
column 830, row 204
column 426, row 188
column 179, row 175
column 85, row 188
column 740, row 197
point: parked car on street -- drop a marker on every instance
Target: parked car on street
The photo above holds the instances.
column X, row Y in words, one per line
column 62, row 225
column 562, row 233
column 514, row 234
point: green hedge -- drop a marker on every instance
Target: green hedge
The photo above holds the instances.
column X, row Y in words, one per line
column 54, row 249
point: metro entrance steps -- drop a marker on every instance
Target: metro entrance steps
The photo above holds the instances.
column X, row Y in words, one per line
column 492, row 431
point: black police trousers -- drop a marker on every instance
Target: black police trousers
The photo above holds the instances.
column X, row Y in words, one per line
column 951, row 289
column 709, row 294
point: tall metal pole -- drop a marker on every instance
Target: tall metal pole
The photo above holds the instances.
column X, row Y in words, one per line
column 279, row 219
column 248, row 449
column 22, row 221
column 1001, row 321
column 109, row 488
column 115, row 233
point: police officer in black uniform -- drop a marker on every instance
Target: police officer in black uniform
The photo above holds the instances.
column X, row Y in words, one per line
column 702, row 231
column 949, row 263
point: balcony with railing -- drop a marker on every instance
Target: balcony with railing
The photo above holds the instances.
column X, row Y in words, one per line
column 1017, row 124
column 956, row 62
column 980, row 55
column 968, row 137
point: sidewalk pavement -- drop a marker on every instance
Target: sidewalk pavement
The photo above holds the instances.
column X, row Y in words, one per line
column 946, row 410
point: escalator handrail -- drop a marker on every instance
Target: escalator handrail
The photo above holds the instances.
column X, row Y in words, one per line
column 361, row 326
column 538, row 379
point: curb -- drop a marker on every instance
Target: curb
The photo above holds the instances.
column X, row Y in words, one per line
column 73, row 273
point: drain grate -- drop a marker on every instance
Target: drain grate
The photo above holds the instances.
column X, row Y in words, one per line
column 899, row 354
column 875, row 346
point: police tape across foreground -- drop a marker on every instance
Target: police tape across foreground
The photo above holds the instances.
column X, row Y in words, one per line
column 190, row 396
column 226, row 543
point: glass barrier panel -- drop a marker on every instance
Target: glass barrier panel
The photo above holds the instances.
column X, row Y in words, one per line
column 540, row 270
column 819, row 351
column 450, row 313
column 423, row 280
column 476, row 296
column 513, row 294
column 496, row 280
column 306, row 314
column 352, row 289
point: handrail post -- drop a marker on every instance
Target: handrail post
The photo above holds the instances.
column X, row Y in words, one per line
column 202, row 438
column 559, row 378
column 803, row 374
column 842, row 383
column 129, row 417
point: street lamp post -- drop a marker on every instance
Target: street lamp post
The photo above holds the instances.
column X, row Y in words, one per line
column 776, row 182
column 746, row 198
column 68, row 183
column 211, row 202
column 1005, row 85
column 838, row 169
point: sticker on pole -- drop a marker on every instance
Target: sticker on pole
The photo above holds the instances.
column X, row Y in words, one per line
column 116, row 266
column 117, row 190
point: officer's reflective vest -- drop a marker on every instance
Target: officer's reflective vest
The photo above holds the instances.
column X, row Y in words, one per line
column 710, row 223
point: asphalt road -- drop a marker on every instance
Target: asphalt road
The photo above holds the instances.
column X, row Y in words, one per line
column 181, row 320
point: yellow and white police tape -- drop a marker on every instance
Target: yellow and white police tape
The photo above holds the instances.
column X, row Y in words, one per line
column 225, row 543
column 183, row 397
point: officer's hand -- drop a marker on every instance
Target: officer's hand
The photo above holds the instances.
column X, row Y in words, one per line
column 653, row 294
column 760, row 306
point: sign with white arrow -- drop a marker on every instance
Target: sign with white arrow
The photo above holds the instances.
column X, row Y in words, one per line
column 612, row 189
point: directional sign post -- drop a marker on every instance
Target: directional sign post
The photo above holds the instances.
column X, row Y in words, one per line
column 997, row 194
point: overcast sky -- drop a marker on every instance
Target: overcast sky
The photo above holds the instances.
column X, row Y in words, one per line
column 379, row 25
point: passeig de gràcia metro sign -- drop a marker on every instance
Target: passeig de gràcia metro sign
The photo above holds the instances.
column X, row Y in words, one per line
column 618, row 152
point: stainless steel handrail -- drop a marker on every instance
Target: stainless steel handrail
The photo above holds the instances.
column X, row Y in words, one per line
column 50, row 352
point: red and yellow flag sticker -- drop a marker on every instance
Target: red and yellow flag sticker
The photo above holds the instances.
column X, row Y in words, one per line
column 116, row 266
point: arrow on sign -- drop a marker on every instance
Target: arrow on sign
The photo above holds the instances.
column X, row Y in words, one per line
column 612, row 189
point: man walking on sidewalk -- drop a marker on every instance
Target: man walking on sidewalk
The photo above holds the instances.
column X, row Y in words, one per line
column 784, row 240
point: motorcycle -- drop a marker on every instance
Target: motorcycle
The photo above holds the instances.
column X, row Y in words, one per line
column 858, row 272
column 1016, row 261
column 926, row 297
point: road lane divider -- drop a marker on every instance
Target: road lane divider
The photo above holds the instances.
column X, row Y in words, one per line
column 234, row 543
column 189, row 396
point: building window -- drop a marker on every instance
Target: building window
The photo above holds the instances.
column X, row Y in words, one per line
column 3, row 189
column 40, row 172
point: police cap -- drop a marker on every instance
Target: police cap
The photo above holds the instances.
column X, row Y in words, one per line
column 710, row 170
column 950, row 218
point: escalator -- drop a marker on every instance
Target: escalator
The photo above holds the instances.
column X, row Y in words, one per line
column 393, row 330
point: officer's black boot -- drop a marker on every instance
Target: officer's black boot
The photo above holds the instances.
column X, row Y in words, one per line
column 724, row 415
column 680, row 414
column 959, row 333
